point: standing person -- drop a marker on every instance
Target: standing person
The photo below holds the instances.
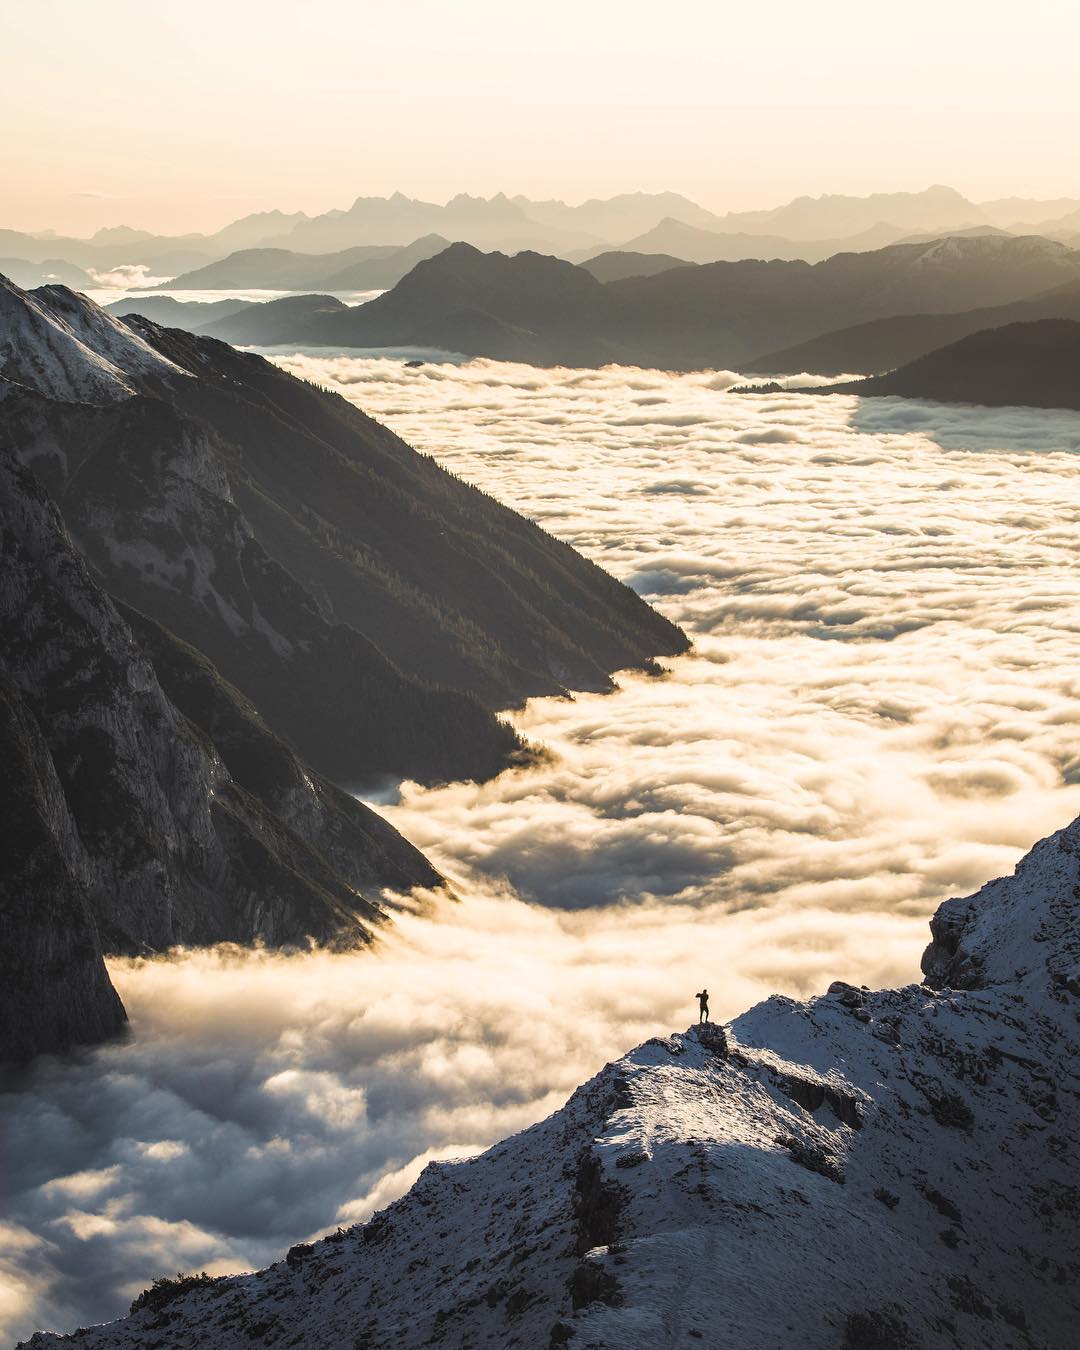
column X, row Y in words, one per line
column 703, row 1005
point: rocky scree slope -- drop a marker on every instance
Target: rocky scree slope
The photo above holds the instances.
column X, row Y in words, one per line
column 890, row 1170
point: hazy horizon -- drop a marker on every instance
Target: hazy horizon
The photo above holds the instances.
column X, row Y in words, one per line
column 189, row 119
column 220, row 222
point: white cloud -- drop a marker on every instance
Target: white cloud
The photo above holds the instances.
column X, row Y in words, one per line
column 126, row 276
column 880, row 710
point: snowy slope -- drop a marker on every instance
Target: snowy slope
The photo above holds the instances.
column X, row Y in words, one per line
column 866, row 1171
column 66, row 347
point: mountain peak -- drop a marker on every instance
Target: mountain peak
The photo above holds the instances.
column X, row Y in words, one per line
column 881, row 1158
column 61, row 344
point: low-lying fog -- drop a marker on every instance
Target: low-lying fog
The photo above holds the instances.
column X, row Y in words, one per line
column 880, row 710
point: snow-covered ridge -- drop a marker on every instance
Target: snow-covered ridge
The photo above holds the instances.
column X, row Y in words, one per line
column 865, row 1171
column 62, row 345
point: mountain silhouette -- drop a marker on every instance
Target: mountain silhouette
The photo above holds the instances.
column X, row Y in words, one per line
column 1033, row 365
column 536, row 308
column 883, row 344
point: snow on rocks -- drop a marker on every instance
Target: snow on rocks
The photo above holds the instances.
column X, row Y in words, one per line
column 64, row 346
column 870, row 1170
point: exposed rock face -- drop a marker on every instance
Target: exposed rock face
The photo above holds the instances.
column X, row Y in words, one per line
column 866, row 1171
column 135, row 833
column 47, row 929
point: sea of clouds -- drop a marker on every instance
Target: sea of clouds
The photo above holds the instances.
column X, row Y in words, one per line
column 880, row 710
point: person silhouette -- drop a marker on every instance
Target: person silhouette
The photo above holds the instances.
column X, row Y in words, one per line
column 703, row 1005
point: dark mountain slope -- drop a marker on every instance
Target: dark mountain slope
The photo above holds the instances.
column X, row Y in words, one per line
column 884, row 344
column 535, row 308
column 191, row 315
column 1027, row 364
column 141, row 822
column 726, row 313
column 145, row 487
column 358, row 594
column 395, row 544
column 293, row 318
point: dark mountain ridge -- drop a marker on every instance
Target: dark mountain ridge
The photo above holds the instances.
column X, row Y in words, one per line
column 529, row 307
column 538, row 309
column 1034, row 365
column 883, row 344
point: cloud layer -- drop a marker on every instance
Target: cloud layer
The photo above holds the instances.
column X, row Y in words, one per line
column 880, row 710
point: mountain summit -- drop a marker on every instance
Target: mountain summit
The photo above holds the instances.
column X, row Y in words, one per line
column 865, row 1171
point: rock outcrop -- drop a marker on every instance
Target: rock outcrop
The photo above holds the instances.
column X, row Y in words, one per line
column 870, row 1170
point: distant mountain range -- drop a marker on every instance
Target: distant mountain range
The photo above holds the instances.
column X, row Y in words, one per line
column 49, row 271
column 706, row 245
column 223, row 591
column 620, row 264
column 366, row 267
column 884, row 344
column 1033, row 365
column 808, row 228
column 540, row 309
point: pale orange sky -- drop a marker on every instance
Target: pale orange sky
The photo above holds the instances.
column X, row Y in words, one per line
column 179, row 118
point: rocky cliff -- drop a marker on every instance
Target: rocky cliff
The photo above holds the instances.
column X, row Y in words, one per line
column 140, row 824
column 870, row 1170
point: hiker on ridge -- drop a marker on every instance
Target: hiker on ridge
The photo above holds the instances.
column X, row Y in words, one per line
column 703, row 1005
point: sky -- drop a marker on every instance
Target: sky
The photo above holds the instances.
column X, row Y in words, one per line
column 184, row 117
column 880, row 710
